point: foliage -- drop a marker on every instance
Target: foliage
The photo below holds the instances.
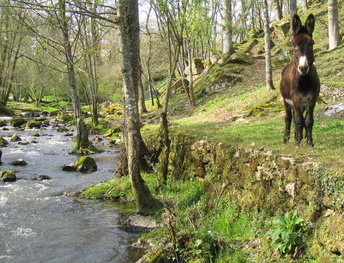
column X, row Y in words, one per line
column 287, row 233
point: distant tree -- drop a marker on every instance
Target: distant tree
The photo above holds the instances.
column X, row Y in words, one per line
column 292, row 12
column 129, row 30
column 11, row 43
column 304, row 5
column 333, row 24
column 267, row 40
column 228, row 27
column 278, row 7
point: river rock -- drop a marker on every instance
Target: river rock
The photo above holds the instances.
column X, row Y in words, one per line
column 19, row 162
column 69, row 167
column 8, row 176
column 15, row 138
column 42, row 177
column 3, row 123
column 18, row 122
column 137, row 223
column 83, row 164
column 33, row 125
column 3, row 142
column 86, row 164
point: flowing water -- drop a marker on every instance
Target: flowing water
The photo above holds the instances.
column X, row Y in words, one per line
column 39, row 223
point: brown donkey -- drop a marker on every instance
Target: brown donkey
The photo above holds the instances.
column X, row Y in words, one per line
column 300, row 83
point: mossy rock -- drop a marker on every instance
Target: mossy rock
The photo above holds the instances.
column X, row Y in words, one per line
column 33, row 125
column 64, row 116
column 113, row 109
column 249, row 45
column 331, row 233
column 41, row 118
column 86, row 164
column 7, row 176
column 240, row 58
column 62, row 129
column 113, row 131
column 3, row 123
column 18, row 122
column 255, row 33
column 3, row 142
column 281, row 59
column 15, row 138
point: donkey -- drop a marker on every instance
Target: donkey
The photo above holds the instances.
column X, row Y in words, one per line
column 300, row 85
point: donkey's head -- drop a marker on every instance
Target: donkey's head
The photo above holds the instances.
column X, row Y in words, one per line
column 303, row 43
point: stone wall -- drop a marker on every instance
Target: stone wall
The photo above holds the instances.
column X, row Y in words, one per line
column 261, row 180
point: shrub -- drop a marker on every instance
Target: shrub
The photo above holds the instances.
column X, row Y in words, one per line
column 287, row 233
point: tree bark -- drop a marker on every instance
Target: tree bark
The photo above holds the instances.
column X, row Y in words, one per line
column 333, row 25
column 228, row 31
column 267, row 39
column 82, row 134
column 292, row 11
column 129, row 30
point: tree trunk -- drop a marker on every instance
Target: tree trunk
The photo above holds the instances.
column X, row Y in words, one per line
column 292, row 11
column 304, row 6
column 278, row 9
column 333, row 25
column 267, row 39
column 82, row 134
column 129, row 29
column 227, row 41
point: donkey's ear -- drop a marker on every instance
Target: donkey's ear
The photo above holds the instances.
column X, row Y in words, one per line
column 296, row 24
column 310, row 23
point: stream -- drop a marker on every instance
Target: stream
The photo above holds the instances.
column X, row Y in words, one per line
column 39, row 223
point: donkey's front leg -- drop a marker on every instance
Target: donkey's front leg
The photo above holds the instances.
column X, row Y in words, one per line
column 309, row 121
column 299, row 125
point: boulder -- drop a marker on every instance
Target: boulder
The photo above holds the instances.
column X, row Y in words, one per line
column 7, row 176
column 33, row 125
column 3, row 123
column 334, row 109
column 240, row 58
column 42, row 177
column 18, row 122
column 86, row 164
column 19, row 162
column 15, row 138
column 83, row 164
column 3, row 142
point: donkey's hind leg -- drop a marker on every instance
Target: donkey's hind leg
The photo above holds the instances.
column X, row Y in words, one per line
column 288, row 119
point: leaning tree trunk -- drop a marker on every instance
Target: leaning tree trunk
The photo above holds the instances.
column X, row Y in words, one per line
column 129, row 29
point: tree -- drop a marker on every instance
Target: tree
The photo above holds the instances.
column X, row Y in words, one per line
column 11, row 43
column 130, row 40
column 333, row 24
column 292, row 11
column 82, row 133
column 267, row 40
column 228, row 32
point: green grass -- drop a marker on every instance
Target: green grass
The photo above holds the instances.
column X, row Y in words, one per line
column 22, row 106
